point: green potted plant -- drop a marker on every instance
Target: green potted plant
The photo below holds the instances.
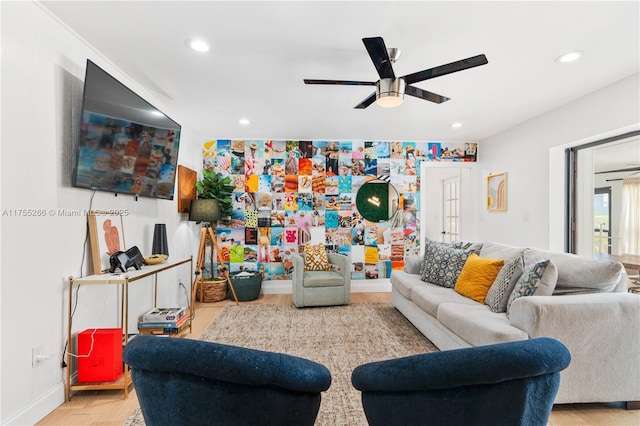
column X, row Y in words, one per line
column 216, row 186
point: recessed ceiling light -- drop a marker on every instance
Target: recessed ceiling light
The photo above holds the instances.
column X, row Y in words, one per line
column 569, row 57
column 244, row 121
column 456, row 125
column 198, row 45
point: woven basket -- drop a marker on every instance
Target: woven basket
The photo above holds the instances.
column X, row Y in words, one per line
column 213, row 290
column 247, row 288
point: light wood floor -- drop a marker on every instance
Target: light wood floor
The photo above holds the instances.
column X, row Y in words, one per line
column 106, row 408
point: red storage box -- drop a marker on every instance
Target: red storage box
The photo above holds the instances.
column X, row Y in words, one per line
column 99, row 355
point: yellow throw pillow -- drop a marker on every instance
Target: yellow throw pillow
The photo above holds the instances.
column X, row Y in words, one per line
column 477, row 275
column 316, row 259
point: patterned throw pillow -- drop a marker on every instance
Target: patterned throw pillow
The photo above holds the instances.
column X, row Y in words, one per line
column 531, row 283
column 502, row 287
column 316, row 259
column 442, row 264
column 428, row 243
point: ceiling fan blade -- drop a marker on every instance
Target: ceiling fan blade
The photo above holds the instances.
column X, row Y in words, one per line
column 379, row 55
column 463, row 64
column 340, row 82
column 366, row 102
column 423, row 94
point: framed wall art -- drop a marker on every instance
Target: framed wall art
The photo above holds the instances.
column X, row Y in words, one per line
column 106, row 236
column 497, row 192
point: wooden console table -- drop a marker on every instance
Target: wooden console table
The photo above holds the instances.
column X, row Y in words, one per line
column 122, row 279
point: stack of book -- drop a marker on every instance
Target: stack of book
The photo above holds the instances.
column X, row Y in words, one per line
column 164, row 321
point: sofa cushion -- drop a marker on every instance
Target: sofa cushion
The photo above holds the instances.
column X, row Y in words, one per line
column 442, row 264
column 477, row 275
column 477, row 325
column 578, row 274
column 499, row 292
column 429, row 296
column 538, row 279
column 500, row 251
column 403, row 282
column 322, row 279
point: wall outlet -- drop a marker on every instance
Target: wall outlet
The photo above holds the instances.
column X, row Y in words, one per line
column 37, row 355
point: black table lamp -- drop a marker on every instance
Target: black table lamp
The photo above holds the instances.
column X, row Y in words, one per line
column 160, row 244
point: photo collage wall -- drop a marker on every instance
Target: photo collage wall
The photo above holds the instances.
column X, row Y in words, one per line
column 289, row 193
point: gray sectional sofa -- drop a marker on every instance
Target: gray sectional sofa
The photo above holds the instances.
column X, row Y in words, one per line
column 589, row 311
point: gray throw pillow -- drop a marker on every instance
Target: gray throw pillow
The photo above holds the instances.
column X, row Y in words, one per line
column 442, row 264
column 537, row 280
column 499, row 292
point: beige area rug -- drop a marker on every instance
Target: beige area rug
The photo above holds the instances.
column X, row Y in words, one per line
column 339, row 337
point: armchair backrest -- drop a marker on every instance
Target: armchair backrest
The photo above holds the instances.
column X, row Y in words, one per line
column 513, row 383
column 191, row 382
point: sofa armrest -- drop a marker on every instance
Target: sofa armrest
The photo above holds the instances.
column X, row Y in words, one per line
column 602, row 316
column 296, row 279
column 340, row 260
column 602, row 333
column 298, row 267
column 344, row 266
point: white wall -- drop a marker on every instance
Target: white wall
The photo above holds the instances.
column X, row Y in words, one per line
column 532, row 154
column 42, row 72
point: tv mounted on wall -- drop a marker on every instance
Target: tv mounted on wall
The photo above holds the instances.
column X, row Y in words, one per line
column 125, row 144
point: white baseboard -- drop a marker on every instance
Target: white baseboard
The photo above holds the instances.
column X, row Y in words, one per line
column 357, row 286
column 371, row 286
column 38, row 409
column 276, row 287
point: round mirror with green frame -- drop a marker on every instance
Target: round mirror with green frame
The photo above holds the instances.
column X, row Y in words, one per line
column 377, row 200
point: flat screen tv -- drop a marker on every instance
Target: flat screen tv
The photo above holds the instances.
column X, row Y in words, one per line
column 125, row 144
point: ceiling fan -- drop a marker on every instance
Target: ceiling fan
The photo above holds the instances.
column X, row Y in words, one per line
column 390, row 90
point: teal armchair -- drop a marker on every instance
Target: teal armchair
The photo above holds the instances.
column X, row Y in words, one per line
column 321, row 288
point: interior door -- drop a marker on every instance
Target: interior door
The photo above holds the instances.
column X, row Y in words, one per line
column 451, row 209
column 445, row 202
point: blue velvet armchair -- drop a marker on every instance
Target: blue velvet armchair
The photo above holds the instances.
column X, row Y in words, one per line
column 192, row 382
column 512, row 383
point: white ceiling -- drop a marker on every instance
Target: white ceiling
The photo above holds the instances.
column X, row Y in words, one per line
column 261, row 51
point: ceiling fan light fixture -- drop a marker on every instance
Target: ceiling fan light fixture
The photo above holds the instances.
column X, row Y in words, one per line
column 390, row 100
column 390, row 89
column 390, row 92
